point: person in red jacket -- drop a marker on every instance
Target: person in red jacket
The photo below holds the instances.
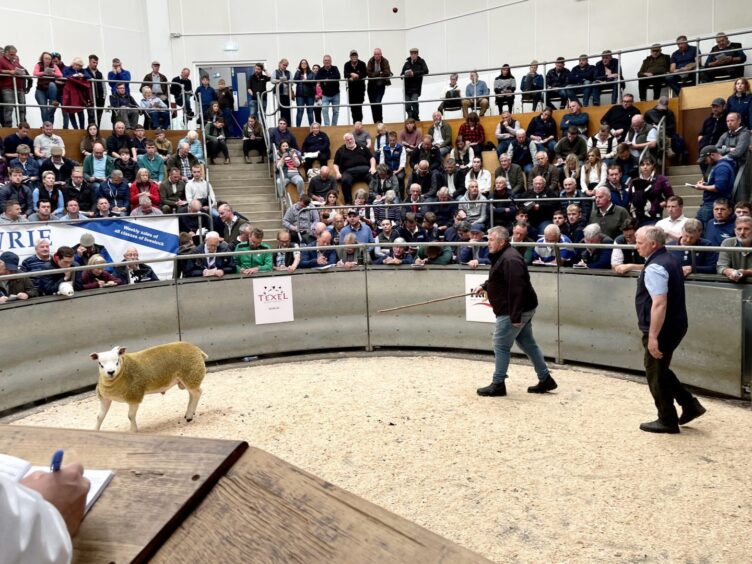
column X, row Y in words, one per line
column 143, row 185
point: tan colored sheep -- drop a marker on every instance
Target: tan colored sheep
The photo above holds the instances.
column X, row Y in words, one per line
column 127, row 377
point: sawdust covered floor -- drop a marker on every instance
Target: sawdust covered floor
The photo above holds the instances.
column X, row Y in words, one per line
column 562, row 477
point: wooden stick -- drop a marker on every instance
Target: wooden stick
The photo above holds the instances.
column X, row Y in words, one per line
column 426, row 302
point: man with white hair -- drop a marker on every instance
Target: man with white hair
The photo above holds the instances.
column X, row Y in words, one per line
column 211, row 266
column 608, row 216
column 231, row 224
column 514, row 302
column 522, row 151
column 194, row 145
column 546, row 255
column 40, row 260
column 595, row 257
column 441, row 134
column 145, row 207
column 135, row 272
column 183, row 160
column 662, row 319
column 640, row 135
column 352, row 162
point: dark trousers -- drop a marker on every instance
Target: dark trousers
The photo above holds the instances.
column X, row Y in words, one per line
column 214, row 148
column 254, row 145
column 650, row 82
column 317, row 113
column 95, row 115
column 663, row 383
column 350, row 177
column 356, row 111
column 284, row 109
column 375, row 95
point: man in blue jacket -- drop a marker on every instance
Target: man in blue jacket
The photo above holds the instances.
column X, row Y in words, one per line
column 720, row 184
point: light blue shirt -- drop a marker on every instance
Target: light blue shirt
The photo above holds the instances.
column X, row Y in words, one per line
column 656, row 280
column 480, row 88
column 98, row 166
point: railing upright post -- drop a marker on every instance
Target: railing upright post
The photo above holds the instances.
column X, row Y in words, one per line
column 618, row 77
column 15, row 102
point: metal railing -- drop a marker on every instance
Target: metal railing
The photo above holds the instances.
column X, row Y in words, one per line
column 375, row 245
column 94, row 108
column 618, row 83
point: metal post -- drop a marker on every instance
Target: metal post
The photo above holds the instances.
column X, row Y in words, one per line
column 15, row 101
column 93, row 104
column 618, row 77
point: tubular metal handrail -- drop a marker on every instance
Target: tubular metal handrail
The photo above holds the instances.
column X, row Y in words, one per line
column 545, row 91
column 108, row 83
column 374, row 245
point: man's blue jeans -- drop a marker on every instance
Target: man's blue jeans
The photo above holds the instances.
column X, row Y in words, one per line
column 332, row 101
column 505, row 335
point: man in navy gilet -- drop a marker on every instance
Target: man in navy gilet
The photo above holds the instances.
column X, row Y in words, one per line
column 662, row 318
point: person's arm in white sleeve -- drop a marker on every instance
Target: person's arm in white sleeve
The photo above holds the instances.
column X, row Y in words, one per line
column 32, row 529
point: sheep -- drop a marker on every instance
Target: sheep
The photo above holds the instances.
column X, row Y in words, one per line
column 127, row 377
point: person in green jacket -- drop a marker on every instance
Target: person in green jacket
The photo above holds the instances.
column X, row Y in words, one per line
column 251, row 264
column 97, row 167
column 434, row 254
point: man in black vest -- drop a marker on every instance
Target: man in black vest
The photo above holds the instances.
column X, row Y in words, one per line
column 513, row 300
column 662, row 318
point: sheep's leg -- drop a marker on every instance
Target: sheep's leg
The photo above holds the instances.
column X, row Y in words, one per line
column 193, row 398
column 132, row 409
column 104, row 407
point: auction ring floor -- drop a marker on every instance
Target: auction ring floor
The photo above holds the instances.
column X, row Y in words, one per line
column 566, row 476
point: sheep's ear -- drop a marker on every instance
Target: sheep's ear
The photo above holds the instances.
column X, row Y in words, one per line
column 94, row 356
column 121, row 351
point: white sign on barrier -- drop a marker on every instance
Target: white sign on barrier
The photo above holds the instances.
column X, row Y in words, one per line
column 272, row 299
column 477, row 309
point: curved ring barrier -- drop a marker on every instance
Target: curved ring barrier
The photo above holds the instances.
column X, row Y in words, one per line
column 581, row 318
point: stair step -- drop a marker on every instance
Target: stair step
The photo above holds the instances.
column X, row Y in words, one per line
column 686, row 169
column 680, row 179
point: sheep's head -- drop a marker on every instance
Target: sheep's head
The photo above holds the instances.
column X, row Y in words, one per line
column 109, row 362
column 65, row 289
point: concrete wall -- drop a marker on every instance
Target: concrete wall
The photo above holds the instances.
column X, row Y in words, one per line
column 586, row 318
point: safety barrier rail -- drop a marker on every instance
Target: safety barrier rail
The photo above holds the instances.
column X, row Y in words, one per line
column 570, row 325
column 619, row 83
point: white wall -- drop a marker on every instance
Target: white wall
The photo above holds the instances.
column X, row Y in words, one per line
column 78, row 29
column 451, row 35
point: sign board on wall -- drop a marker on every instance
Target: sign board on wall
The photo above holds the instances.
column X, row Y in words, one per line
column 272, row 299
column 477, row 309
column 154, row 238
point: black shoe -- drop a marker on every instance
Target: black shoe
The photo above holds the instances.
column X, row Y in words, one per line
column 659, row 426
column 691, row 412
column 493, row 389
column 543, row 386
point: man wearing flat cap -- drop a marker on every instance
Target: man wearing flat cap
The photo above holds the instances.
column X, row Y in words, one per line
column 158, row 82
column 18, row 288
column 653, row 66
column 413, row 70
column 714, row 125
column 355, row 72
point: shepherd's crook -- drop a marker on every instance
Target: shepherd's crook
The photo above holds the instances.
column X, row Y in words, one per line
column 427, row 302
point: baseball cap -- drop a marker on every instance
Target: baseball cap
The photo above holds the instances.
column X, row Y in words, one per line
column 718, row 102
column 87, row 240
column 352, row 211
column 414, row 50
column 55, row 150
column 353, row 52
column 707, row 150
column 156, row 63
column 10, row 260
column 477, row 228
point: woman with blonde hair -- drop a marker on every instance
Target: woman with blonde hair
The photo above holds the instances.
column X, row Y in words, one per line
column 281, row 81
column 571, row 168
column 593, row 172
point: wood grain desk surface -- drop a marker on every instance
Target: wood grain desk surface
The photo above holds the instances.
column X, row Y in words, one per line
column 266, row 510
column 158, row 481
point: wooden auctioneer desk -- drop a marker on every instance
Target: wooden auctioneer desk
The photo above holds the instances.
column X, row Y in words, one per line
column 177, row 499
